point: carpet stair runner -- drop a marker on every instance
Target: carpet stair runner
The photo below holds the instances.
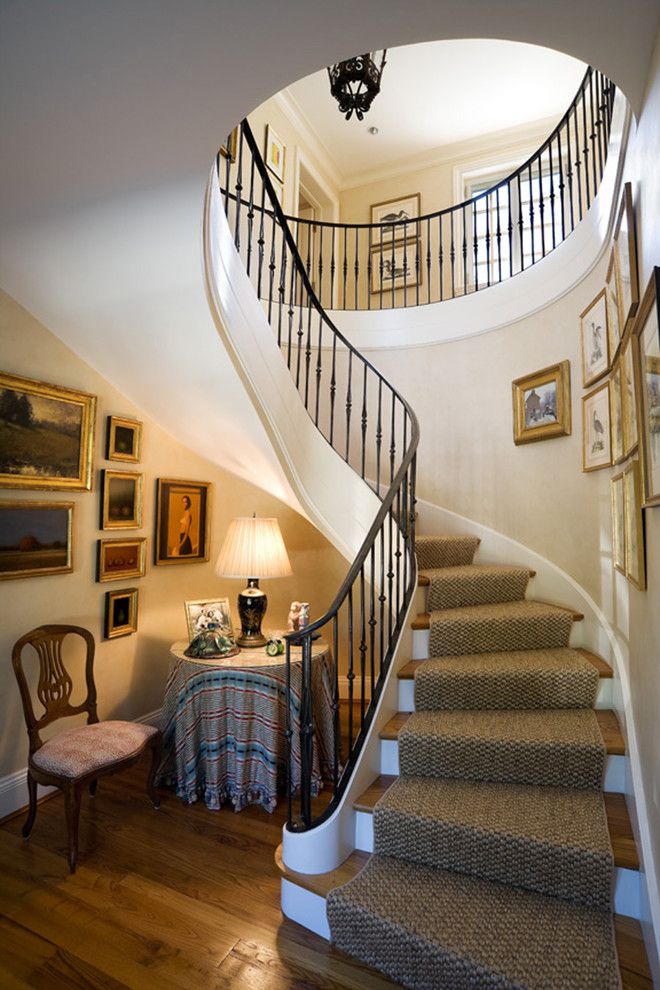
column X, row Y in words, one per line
column 492, row 862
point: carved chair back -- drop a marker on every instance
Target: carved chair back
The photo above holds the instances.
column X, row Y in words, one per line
column 55, row 686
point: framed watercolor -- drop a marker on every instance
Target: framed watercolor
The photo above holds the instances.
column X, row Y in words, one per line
column 395, row 212
column 625, row 250
column 207, row 611
column 182, row 521
column 36, row 538
column 614, row 321
column 646, row 340
column 121, row 613
column 395, row 266
column 618, row 524
column 595, row 340
column 46, row 435
column 542, row 404
column 634, row 522
column 275, row 156
column 123, row 439
column 228, row 149
column 616, row 415
column 596, row 434
column 121, row 559
column 628, row 399
column 121, row 499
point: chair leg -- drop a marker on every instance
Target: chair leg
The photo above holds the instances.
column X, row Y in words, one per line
column 93, row 786
column 32, row 812
column 156, row 752
column 72, row 795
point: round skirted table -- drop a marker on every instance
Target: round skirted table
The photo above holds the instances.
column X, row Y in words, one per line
column 224, row 723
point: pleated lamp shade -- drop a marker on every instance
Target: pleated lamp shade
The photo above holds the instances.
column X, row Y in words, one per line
column 253, row 548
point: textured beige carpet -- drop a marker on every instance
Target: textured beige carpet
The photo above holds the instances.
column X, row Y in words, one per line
column 472, row 584
column 445, row 551
column 525, row 625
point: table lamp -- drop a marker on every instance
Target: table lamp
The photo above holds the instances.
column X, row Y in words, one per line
column 253, row 547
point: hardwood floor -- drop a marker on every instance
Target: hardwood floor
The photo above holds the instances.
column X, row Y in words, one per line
column 177, row 898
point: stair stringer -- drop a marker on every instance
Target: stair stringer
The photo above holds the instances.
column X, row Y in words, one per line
column 338, row 502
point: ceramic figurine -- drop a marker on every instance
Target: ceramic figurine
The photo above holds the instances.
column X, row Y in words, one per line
column 303, row 617
column 293, row 617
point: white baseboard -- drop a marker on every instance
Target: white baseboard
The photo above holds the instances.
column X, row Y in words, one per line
column 13, row 787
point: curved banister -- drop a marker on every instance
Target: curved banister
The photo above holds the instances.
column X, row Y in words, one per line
column 492, row 236
column 365, row 620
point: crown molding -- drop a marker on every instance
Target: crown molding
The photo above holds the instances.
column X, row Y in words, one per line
column 302, row 124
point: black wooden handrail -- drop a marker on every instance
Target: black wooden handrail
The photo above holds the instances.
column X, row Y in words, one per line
column 379, row 442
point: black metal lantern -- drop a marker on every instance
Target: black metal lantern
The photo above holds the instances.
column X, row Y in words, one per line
column 356, row 82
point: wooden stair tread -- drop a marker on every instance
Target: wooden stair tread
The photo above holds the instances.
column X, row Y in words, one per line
column 607, row 723
column 618, row 820
column 323, row 883
column 423, row 580
column 423, row 620
column 407, row 672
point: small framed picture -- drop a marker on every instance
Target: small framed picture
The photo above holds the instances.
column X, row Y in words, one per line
column 595, row 340
column 542, row 404
column 182, row 521
column 121, row 500
column 46, row 435
column 396, row 266
column 618, row 524
column 121, row 613
column 123, row 440
column 614, row 321
column 632, row 493
column 393, row 214
column 121, row 559
column 646, row 340
column 36, row 538
column 596, row 435
column 625, row 250
column 628, row 399
column 275, row 154
column 208, row 612
column 228, row 149
column 616, row 415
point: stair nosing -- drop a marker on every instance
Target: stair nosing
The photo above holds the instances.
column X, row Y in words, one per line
column 423, row 620
column 407, row 672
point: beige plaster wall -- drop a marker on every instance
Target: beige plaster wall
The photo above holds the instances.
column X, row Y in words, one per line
column 131, row 671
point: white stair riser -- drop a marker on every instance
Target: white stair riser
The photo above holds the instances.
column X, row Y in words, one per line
column 615, row 766
column 305, row 908
column 407, row 694
column 626, row 882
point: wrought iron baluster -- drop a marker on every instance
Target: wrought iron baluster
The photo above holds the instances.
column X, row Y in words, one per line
column 282, row 293
column 531, row 214
column 418, row 268
column 428, row 257
column 379, row 432
column 510, row 227
column 552, row 195
column 541, row 206
column 335, row 702
column 521, row 241
column 498, row 234
column 392, row 437
column 349, row 404
column 308, row 346
column 560, row 165
column 382, row 598
column 306, row 733
column 585, row 147
column 370, row 268
column 228, row 163
column 475, row 244
column 465, row 251
column 239, row 192
column 250, row 216
column 344, row 266
column 592, row 134
column 333, row 389
column 405, row 263
column 350, row 676
column 261, row 240
column 487, row 202
column 362, row 648
column 381, row 266
column 363, row 422
column 272, row 266
column 357, row 269
column 333, row 266
column 288, row 734
column 452, row 256
column 578, row 162
column 319, row 370
column 372, row 617
column 569, row 173
column 393, row 265
column 440, row 258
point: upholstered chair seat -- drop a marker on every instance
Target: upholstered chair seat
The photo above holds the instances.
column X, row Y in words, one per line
column 89, row 748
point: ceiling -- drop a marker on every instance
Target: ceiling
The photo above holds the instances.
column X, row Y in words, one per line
column 439, row 93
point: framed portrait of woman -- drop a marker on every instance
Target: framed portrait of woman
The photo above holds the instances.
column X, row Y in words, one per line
column 182, row 521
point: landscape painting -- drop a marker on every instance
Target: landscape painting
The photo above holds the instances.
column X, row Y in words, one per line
column 46, row 435
column 542, row 404
column 35, row 539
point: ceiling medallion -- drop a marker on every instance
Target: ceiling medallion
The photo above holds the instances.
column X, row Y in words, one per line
column 356, row 82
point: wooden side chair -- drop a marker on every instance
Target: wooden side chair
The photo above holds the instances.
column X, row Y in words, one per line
column 75, row 757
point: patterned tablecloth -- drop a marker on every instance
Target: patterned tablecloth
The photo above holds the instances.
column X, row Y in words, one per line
column 223, row 724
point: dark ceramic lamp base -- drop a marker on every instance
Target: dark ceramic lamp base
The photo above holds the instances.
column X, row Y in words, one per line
column 252, row 605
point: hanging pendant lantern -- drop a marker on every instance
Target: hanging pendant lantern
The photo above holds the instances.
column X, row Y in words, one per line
column 356, row 82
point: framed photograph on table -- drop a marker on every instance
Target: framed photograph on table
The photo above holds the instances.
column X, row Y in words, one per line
column 542, row 404
column 395, row 212
column 618, row 524
column 182, row 521
column 634, row 522
column 36, row 538
column 121, row 559
column 596, row 435
column 616, row 415
column 46, row 435
column 121, row 613
column 206, row 612
column 625, row 251
column 595, row 340
column 121, row 499
column 394, row 266
column 123, row 439
column 646, row 341
column 275, row 156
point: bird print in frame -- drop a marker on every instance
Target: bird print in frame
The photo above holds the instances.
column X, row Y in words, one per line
column 596, row 432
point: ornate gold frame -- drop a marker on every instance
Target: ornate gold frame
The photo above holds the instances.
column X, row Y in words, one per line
column 587, row 382
column 135, row 522
column 271, row 132
column 561, row 373
column 130, row 424
column 614, row 383
column 585, row 399
column 632, row 494
column 113, row 632
column 43, row 571
column 650, row 299
column 615, row 330
column 626, row 209
column 131, row 572
column 206, row 486
column 616, row 494
column 87, row 403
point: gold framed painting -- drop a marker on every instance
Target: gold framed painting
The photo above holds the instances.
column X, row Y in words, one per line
column 596, row 433
column 628, row 399
column 46, row 435
column 208, row 612
column 121, row 559
column 395, row 212
column 396, row 265
column 182, row 521
column 634, row 523
column 542, row 404
column 612, row 293
column 595, row 339
column 36, row 539
column 625, row 250
column 616, row 415
column 618, row 524
column 228, row 149
column 121, row 499
column 646, row 340
column 275, row 156
column 123, row 439
column 121, row 613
